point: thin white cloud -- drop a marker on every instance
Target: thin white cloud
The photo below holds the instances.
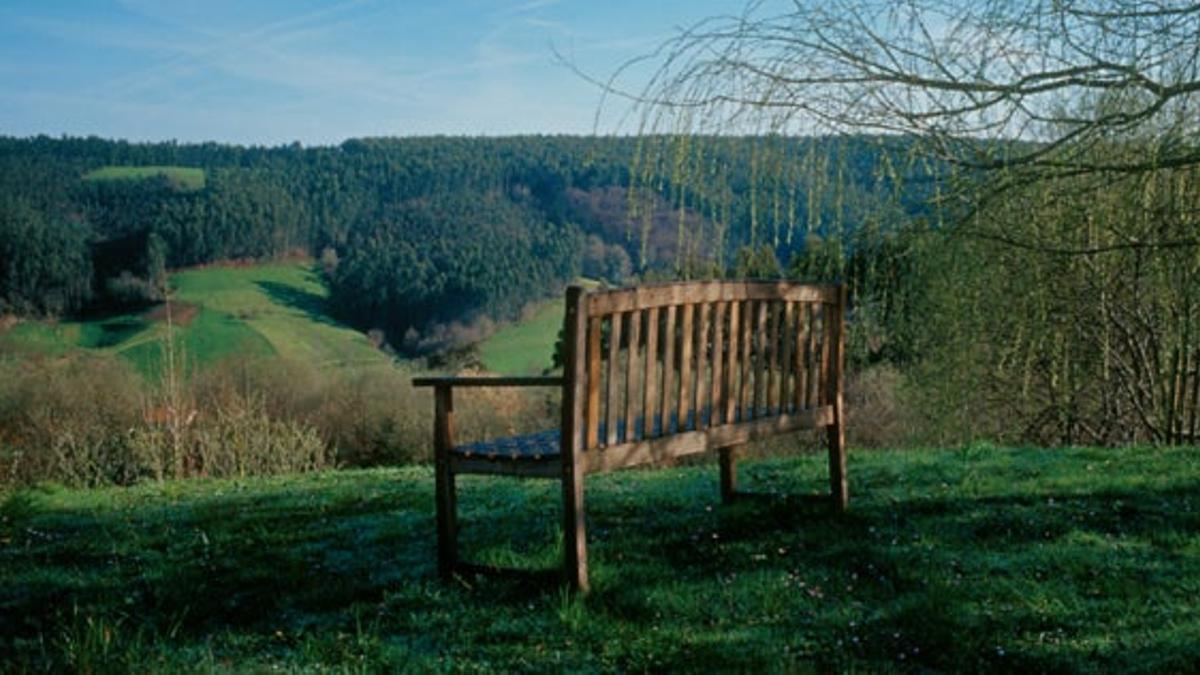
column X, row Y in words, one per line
column 526, row 7
column 311, row 76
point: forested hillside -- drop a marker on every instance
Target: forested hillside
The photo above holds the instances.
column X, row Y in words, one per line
column 419, row 236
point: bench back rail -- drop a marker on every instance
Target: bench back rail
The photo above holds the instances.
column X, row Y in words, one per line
column 675, row 369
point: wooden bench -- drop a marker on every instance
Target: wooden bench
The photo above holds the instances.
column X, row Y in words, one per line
column 657, row 372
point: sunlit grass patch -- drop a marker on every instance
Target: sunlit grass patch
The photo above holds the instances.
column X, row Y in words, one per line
column 181, row 177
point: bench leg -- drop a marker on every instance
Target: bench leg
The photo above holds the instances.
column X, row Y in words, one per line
column 728, row 461
column 447, row 524
column 447, row 511
column 575, row 566
column 839, row 490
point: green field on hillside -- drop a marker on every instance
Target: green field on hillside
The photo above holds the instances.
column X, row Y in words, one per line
column 182, row 177
column 982, row 559
column 217, row 312
column 527, row 346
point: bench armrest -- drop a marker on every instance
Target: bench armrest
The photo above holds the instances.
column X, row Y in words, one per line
column 485, row 381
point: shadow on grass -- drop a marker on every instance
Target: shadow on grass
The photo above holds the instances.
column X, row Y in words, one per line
column 1027, row 582
column 313, row 306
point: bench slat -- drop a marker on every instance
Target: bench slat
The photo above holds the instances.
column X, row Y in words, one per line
column 632, row 375
column 691, row 442
column 650, row 391
column 662, row 295
column 668, row 401
column 785, row 364
column 528, row 447
column 744, row 394
column 611, row 406
column 811, row 359
column 800, row 384
column 828, row 336
column 760, row 332
column 718, row 363
column 686, row 337
column 774, row 323
column 703, row 377
column 591, row 437
column 731, row 400
column 487, row 381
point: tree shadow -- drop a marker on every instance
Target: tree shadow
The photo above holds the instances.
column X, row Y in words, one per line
column 311, row 304
column 313, row 556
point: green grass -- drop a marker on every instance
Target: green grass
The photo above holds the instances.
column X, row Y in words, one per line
column 527, row 346
column 209, row 338
column 284, row 303
column 49, row 338
column 974, row 560
column 259, row 310
column 182, row 177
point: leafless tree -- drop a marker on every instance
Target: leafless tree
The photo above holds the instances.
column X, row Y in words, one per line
column 1053, row 79
column 1067, row 134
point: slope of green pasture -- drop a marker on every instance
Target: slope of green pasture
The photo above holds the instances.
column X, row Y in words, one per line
column 220, row 312
column 974, row 560
column 282, row 302
column 527, row 346
column 56, row 338
column 52, row 339
column 208, row 338
column 185, row 178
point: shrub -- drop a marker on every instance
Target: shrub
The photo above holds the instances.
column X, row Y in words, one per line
column 91, row 421
column 236, row 439
column 127, row 290
column 876, row 412
column 65, row 420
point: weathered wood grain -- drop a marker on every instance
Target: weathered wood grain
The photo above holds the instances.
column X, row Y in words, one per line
column 718, row 364
column 732, row 372
column 487, row 381
column 650, row 392
column 680, row 293
column 613, row 387
column 835, row 376
column 703, row 376
column 786, row 339
column 591, row 437
column 668, row 393
column 686, row 338
column 574, row 463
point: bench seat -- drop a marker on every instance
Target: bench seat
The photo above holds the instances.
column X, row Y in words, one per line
column 543, row 445
column 540, row 446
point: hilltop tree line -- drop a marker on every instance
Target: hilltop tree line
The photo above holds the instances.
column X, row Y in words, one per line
column 417, row 233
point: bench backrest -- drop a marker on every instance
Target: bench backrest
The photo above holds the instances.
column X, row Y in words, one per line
column 660, row 371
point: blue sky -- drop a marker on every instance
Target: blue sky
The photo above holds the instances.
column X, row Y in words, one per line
column 319, row 72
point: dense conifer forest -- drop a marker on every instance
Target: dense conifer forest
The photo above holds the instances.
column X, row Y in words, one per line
column 421, row 233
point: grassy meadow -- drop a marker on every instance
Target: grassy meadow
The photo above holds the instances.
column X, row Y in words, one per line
column 527, row 346
column 980, row 559
column 182, row 177
column 274, row 309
